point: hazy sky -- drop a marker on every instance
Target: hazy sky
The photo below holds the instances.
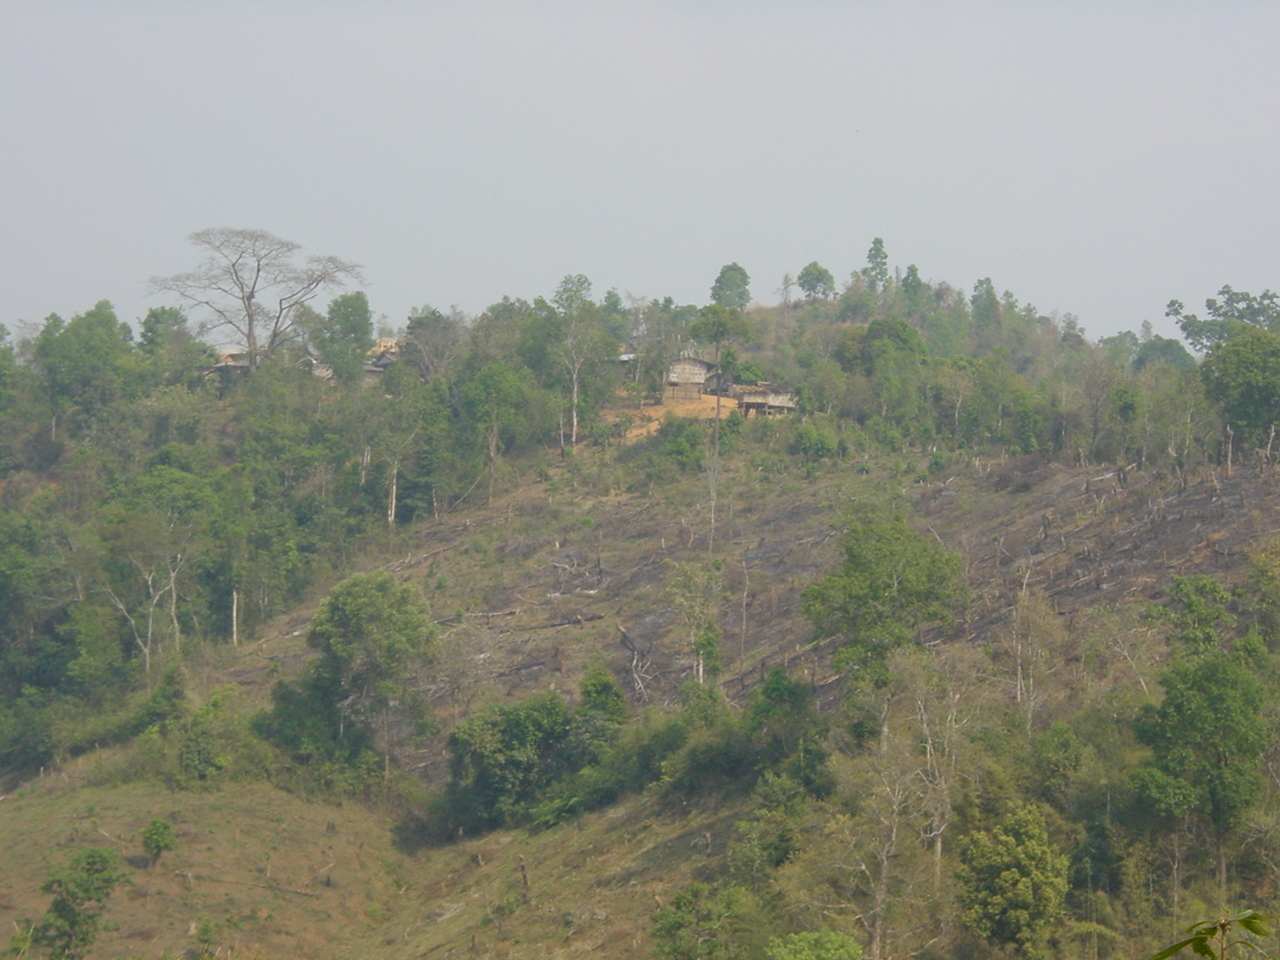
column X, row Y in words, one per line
column 1092, row 158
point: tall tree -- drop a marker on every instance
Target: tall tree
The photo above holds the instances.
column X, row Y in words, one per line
column 876, row 271
column 432, row 341
column 584, row 344
column 250, row 286
column 371, row 631
column 171, row 345
column 1229, row 313
column 344, row 335
column 816, row 282
column 985, row 304
column 697, row 591
column 721, row 327
column 1208, row 734
column 892, row 582
column 785, row 288
column 493, row 398
column 87, row 363
column 1243, row 375
column 867, row 861
column 731, row 289
column 913, row 287
column 1013, row 882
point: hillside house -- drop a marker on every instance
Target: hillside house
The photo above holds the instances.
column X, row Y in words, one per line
column 384, row 352
column 765, row 399
column 687, row 379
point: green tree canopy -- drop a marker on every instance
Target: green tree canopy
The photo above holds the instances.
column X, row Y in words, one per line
column 913, row 286
column 174, row 351
column 720, row 326
column 815, row 945
column 1243, row 375
column 432, row 341
column 87, row 363
column 495, row 398
column 1229, row 313
column 504, row 757
column 1208, row 733
column 731, row 288
column 80, row 890
column 703, row 922
column 1013, row 882
column 371, row 631
column 893, row 581
column 157, row 837
column 343, row 337
column 816, row 282
column 1198, row 611
column 1163, row 350
column 580, row 347
column 876, row 271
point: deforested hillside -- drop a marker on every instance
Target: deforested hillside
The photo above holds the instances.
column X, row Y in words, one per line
column 904, row 618
column 533, row 591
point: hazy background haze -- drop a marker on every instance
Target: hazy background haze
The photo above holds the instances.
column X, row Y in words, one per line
column 1092, row 158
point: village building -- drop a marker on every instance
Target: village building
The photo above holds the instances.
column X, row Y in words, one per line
column 764, row 399
column 687, row 379
column 384, row 352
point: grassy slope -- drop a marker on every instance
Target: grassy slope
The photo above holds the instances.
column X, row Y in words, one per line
column 279, row 877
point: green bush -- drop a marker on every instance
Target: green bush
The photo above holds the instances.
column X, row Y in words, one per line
column 813, row 442
column 627, row 765
column 503, row 758
column 157, row 837
column 216, row 745
column 326, row 757
column 682, row 442
column 80, row 890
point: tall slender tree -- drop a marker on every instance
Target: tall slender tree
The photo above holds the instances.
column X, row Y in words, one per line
column 720, row 327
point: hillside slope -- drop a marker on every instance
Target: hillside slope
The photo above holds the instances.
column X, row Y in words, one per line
column 527, row 592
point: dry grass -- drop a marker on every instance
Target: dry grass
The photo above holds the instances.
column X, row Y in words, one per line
column 274, row 876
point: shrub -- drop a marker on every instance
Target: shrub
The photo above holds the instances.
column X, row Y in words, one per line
column 157, row 837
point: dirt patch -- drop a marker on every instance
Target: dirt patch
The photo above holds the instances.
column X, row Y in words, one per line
column 647, row 420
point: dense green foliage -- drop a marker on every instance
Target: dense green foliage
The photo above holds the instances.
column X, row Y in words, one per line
column 370, row 632
column 815, row 945
column 374, row 638
column 1013, row 882
column 893, row 581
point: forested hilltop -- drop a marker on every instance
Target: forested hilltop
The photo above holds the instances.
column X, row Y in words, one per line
column 483, row 635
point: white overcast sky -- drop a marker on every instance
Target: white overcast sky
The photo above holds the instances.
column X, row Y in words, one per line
column 1092, row 158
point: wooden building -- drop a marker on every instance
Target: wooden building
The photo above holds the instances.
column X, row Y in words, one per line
column 686, row 379
column 765, row 399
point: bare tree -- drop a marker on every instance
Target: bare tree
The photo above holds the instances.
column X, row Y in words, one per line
column 867, row 867
column 250, row 286
column 151, row 556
